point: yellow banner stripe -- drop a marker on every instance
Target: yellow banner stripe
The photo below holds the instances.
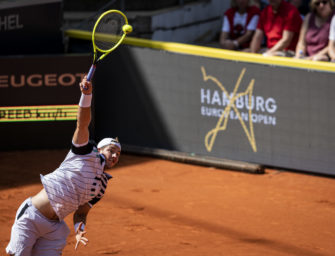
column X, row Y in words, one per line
column 38, row 113
column 215, row 52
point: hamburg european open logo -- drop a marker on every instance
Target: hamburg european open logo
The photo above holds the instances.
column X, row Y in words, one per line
column 245, row 107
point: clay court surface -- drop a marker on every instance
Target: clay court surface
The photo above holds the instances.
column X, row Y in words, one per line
column 156, row 207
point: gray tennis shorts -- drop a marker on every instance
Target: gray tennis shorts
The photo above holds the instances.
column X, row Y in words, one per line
column 33, row 234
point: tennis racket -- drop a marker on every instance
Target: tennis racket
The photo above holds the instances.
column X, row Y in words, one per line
column 108, row 33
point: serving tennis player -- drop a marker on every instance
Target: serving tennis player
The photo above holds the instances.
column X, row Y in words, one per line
column 74, row 187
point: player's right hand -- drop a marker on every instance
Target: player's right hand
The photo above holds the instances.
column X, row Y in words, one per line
column 80, row 236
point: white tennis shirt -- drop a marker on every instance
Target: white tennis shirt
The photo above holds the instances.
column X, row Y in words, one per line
column 78, row 180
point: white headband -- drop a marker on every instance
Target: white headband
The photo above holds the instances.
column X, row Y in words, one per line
column 109, row 141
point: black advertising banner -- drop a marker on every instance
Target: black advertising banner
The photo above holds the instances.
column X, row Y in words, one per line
column 31, row 27
column 271, row 115
column 38, row 100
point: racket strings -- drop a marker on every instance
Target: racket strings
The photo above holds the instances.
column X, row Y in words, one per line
column 109, row 31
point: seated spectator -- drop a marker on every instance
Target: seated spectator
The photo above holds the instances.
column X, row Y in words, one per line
column 239, row 24
column 314, row 33
column 280, row 23
column 331, row 44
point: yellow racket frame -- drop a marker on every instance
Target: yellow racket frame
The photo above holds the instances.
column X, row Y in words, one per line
column 125, row 29
column 112, row 37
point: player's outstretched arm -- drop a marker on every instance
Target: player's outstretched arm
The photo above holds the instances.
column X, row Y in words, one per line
column 81, row 134
column 79, row 221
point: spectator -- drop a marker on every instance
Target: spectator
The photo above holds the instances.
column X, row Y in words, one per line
column 239, row 24
column 280, row 23
column 331, row 44
column 314, row 33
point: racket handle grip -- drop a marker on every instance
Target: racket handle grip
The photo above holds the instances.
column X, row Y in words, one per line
column 91, row 73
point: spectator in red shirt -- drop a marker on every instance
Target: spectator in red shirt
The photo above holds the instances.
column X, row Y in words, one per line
column 280, row 22
column 239, row 25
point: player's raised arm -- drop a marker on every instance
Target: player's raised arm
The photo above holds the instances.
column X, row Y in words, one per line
column 81, row 134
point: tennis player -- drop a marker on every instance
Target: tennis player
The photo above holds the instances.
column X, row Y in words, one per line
column 75, row 186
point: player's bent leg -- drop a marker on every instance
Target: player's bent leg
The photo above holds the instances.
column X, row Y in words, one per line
column 23, row 235
column 52, row 243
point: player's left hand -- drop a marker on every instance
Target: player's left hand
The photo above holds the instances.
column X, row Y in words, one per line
column 80, row 237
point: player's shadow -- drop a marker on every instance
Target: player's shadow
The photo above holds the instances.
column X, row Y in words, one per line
column 242, row 236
